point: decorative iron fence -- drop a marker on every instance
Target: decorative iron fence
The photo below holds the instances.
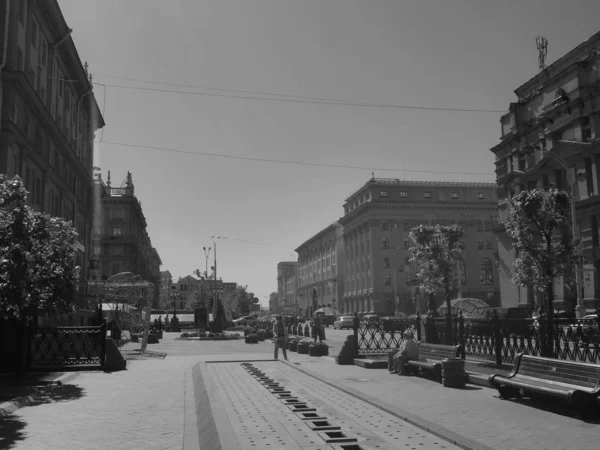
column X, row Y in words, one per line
column 67, row 346
column 494, row 339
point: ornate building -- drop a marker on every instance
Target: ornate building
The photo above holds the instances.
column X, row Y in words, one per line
column 378, row 218
column 49, row 116
column 550, row 138
column 120, row 241
column 321, row 270
column 287, row 280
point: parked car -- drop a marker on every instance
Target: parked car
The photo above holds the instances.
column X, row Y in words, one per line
column 243, row 320
column 343, row 322
column 522, row 325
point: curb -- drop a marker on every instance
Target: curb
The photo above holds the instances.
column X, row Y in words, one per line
column 11, row 406
column 430, row 427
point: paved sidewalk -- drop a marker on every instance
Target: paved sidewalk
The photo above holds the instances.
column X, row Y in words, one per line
column 475, row 413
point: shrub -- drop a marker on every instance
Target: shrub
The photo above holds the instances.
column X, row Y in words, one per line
column 211, row 334
column 184, row 335
column 203, row 334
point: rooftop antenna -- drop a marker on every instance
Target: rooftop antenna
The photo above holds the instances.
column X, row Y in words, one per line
column 542, row 45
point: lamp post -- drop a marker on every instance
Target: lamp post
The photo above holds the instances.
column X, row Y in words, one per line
column 580, row 309
column 206, row 255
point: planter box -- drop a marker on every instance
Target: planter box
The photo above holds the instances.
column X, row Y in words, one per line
column 293, row 346
column 302, row 349
column 251, row 339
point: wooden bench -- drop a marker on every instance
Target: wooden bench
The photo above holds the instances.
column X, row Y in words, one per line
column 576, row 383
column 431, row 356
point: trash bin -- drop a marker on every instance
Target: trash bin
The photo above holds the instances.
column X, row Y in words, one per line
column 453, row 373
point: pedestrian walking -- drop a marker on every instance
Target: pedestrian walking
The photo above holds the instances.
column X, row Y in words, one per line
column 317, row 331
column 280, row 337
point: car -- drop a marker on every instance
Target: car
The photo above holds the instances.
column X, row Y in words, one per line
column 243, row 320
column 343, row 322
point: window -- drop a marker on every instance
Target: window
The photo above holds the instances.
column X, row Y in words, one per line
column 117, row 232
column 454, row 195
column 387, row 280
column 479, row 244
column 386, row 263
column 488, row 225
column 481, row 196
column 406, row 242
column 479, row 225
column 117, row 213
column 385, row 243
column 461, row 224
column 96, row 250
column 34, row 33
column 462, row 272
column 384, row 194
column 486, row 276
column 427, row 194
column 403, row 194
column 385, row 226
column 488, row 244
column 406, row 226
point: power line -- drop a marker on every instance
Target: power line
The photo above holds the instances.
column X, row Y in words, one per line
column 308, row 100
column 281, row 161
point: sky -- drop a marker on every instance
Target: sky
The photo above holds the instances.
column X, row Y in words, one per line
column 202, row 64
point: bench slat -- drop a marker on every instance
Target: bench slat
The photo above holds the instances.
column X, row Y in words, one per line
column 578, row 373
column 551, row 384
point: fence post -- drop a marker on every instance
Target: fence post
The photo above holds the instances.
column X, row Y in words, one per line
column 461, row 328
column 497, row 336
column 102, row 343
column 355, row 325
column 542, row 332
column 418, row 326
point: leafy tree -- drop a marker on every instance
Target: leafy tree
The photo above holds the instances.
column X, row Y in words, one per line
column 437, row 250
column 37, row 270
column 538, row 224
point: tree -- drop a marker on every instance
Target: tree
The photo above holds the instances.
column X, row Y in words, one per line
column 437, row 250
column 37, row 270
column 538, row 224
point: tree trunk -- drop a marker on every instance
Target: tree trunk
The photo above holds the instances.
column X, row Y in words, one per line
column 549, row 344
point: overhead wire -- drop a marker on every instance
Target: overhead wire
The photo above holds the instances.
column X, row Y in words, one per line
column 282, row 161
column 308, row 100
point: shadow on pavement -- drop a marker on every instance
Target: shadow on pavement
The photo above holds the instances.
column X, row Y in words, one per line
column 11, row 425
column 11, row 431
column 554, row 407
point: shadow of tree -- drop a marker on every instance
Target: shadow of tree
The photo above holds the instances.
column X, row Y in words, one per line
column 11, row 431
column 12, row 426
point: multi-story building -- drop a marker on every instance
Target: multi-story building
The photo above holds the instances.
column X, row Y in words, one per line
column 321, row 270
column 184, row 290
column 120, row 240
column 286, row 287
column 48, row 117
column 550, row 138
column 378, row 218
column 166, row 283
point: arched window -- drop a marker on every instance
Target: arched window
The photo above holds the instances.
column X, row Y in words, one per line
column 386, row 263
column 463, row 272
column 486, row 275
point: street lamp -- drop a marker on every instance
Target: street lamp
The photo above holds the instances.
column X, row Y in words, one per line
column 206, row 255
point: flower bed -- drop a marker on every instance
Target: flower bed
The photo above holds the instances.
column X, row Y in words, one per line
column 318, row 349
column 303, row 346
column 207, row 337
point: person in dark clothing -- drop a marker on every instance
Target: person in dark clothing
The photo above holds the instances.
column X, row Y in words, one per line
column 280, row 337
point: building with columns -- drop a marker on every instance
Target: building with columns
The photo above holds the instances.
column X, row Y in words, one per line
column 550, row 139
column 120, row 240
column 287, row 280
column 376, row 223
column 48, row 117
column 320, row 270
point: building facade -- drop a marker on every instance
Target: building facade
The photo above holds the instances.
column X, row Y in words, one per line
column 273, row 303
column 550, row 139
column 48, row 117
column 185, row 289
column 120, row 240
column 378, row 218
column 286, row 287
column 321, row 270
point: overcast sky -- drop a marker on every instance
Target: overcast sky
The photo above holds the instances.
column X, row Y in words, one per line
column 468, row 54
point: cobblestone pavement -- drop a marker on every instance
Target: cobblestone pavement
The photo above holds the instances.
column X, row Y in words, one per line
column 475, row 413
column 261, row 419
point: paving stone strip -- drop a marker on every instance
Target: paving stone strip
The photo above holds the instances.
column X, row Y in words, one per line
column 271, row 405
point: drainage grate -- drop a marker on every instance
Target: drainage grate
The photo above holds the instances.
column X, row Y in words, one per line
column 331, row 437
column 321, row 425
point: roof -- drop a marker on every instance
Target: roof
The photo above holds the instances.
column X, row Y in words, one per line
column 432, row 184
column 319, row 234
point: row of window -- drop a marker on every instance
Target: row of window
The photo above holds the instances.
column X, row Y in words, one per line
column 428, row 195
column 408, row 225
